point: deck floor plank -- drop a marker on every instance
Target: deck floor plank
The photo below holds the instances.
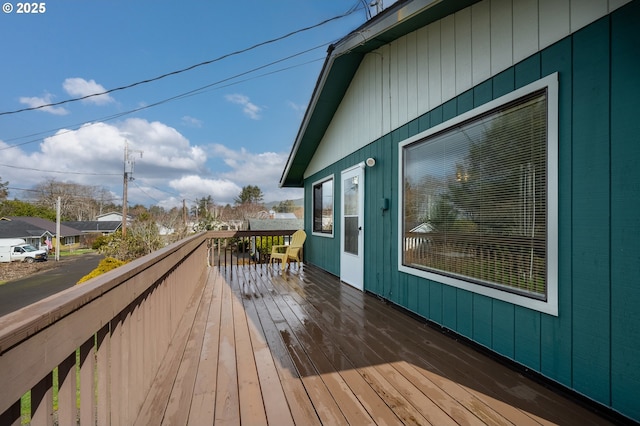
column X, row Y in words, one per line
column 379, row 353
column 227, row 408
column 319, row 394
column 463, row 370
column 409, row 402
column 302, row 409
column 276, row 406
column 299, row 347
column 204, row 392
column 252, row 409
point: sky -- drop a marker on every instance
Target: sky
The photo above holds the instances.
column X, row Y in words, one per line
column 207, row 96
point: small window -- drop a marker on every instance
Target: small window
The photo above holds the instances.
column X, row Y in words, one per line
column 323, row 207
column 478, row 209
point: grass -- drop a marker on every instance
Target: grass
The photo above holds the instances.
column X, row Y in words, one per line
column 25, row 401
column 69, row 253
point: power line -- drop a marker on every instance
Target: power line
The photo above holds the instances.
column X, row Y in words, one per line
column 66, row 172
column 71, row 196
column 145, row 192
column 189, row 68
column 189, row 93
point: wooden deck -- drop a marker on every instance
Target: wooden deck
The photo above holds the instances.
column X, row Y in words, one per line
column 259, row 346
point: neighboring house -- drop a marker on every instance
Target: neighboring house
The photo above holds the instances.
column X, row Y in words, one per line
column 283, row 224
column 94, row 227
column 112, row 217
column 18, row 229
column 276, row 215
column 515, row 124
column 70, row 237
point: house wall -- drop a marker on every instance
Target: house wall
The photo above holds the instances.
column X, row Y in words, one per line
column 593, row 345
column 418, row 72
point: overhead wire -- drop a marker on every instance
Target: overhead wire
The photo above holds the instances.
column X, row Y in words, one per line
column 193, row 92
column 189, row 68
column 189, row 93
column 66, row 172
column 144, row 192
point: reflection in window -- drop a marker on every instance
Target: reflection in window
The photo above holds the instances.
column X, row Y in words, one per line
column 475, row 199
column 351, row 209
column 323, row 207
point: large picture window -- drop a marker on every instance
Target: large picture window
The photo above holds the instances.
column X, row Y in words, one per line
column 478, row 210
column 323, row 206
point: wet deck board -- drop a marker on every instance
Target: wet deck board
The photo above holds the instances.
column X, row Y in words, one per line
column 299, row 347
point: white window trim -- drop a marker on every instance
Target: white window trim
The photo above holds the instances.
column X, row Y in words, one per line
column 333, row 211
column 550, row 305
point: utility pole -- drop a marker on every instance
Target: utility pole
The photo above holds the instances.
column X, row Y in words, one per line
column 127, row 177
column 184, row 213
column 58, row 237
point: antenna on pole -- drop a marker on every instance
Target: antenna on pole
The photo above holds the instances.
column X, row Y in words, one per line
column 128, row 175
column 378, row 4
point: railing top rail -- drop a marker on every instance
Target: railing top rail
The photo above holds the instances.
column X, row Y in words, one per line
column 20, row 325
column 249, row 233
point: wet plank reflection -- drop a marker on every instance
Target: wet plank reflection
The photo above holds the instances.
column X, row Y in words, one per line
column 299, row 347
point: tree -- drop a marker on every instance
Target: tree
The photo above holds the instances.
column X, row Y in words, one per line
column 4, row 192
column 21, row 208
column 250, row 194
column 145, row 231
column 287, row 206
column 77, row 202
column 142, row 238
column 249, row 202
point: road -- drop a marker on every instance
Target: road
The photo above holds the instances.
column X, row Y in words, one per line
column 25, row 291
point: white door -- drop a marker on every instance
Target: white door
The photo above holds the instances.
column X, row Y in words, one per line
column 352, row 221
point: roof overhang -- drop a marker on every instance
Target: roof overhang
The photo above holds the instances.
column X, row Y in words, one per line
column 342, row 62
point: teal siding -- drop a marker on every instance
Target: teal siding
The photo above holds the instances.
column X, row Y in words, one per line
column 625, row 208
column 591, row 261
column 503, row 328
column 555, row 336
column 464, row 315
column 527, row 344
column 593, row 345
column 449, row 307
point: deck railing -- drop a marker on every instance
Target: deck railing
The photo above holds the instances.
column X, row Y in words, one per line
column 232, row 248
column 90, row 354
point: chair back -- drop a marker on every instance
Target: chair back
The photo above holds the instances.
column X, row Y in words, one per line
column 298, row 237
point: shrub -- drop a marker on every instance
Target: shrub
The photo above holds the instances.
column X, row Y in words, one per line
column 99, row 242
column 264, row 244
column 105, row 265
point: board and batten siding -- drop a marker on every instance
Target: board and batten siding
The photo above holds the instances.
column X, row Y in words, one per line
column 424, row 69
column 593, row 345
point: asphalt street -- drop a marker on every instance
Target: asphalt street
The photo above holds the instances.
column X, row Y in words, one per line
column 25, row 291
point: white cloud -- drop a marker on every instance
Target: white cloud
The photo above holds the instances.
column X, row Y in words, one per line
column 261, row 169
column 35, row 102
column 79, row 87
column 94, row 154
column 193, row 187
column 191, row 121
column 297, row 107
column 171, row 169
column 250, row 109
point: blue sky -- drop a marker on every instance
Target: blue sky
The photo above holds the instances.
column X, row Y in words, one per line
column 229, row 127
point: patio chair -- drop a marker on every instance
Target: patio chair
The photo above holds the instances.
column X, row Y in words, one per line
column 289, row 252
